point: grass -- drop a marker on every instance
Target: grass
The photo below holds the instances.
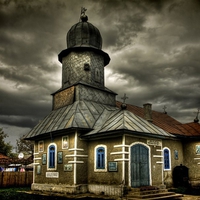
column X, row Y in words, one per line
column 23, row 194
column 14, row 194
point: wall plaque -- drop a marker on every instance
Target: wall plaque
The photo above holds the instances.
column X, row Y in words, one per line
column 68, row 167
column 44, row 159
column 52, row 174
column 112, row 166
column 197, row 149
column 154, row 142
column 39, row 169
column 176, row 154
column 60, row 157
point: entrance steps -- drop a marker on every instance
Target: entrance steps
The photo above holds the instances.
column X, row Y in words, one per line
column 151, row 193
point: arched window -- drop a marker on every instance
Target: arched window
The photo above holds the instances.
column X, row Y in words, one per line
column 52, row 156
column 100, row 158
column 167, row 159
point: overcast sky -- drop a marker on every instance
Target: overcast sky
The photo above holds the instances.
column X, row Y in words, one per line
column 154, row 48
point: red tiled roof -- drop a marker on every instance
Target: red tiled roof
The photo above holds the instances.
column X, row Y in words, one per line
column 190, row 129
column 2, row 156
column 4, row 159
column 166, row 122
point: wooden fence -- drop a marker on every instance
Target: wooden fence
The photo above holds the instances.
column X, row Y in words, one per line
column 16, row 179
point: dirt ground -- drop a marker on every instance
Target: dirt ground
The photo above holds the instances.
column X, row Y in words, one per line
column 190, row 197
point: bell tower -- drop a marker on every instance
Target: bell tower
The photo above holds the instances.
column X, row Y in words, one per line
column 83, row 65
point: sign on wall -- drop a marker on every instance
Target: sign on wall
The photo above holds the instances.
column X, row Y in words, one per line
column 52, row 174
column 154, row 142
column 112, row 166
column 68, row 167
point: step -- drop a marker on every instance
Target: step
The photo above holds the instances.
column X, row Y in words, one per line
column 175, row 196
column 134, row 192
column 152, row 195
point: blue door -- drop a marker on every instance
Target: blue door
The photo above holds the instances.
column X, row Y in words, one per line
column 139, row 166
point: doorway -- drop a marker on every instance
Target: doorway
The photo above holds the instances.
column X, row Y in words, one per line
column 139, row 166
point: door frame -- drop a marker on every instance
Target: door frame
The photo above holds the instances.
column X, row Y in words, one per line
column 149, row 149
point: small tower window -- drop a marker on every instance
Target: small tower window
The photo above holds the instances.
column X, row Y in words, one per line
column 97, row 75
column 86, row 67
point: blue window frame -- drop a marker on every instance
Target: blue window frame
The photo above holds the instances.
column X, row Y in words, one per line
column 52, row 156
column 166, row 155
column 100, row 158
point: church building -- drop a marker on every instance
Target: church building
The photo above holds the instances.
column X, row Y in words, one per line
column 90, row 142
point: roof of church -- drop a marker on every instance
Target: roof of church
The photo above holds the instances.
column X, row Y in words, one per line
column 190, row 129
column 166, row 122
column 98, row 118
column 122, row 119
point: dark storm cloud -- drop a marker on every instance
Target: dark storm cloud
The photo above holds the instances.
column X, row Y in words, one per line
column 153, row 45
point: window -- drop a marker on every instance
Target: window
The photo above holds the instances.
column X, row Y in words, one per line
column 167, row 158
column 97, row 75
column 100, row 158
column 52, row 156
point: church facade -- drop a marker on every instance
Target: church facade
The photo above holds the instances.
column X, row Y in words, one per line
column 89, row 142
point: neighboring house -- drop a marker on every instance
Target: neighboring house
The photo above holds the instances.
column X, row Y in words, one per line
column 15, row 164
column 91, row 143
column 4, row 161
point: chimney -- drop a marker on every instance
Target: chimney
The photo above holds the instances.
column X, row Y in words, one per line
column 148, row 112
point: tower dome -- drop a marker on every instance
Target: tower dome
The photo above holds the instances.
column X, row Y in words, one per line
column 84, row 34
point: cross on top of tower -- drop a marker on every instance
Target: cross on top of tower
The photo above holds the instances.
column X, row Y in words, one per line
column 164, row 108
column 123, row 105
column 124, row 98
column 196, row 120
column 83, row 10
column 83, row 16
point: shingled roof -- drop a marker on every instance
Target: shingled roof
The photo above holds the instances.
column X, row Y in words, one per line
column 96, row 119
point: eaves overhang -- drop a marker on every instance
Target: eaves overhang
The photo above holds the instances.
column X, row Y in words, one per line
column 58, row 133
column 118, row 133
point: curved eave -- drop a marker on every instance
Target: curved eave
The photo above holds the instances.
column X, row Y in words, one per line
column 65, row 52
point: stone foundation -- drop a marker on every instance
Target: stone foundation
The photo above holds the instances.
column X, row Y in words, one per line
column 110, row 190
column 66, row 189
column 194, row 182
